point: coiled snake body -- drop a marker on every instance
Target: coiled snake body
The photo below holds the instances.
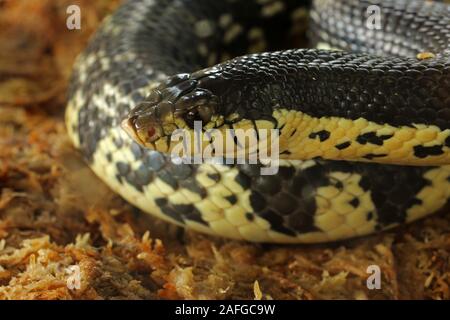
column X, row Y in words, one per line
column 370, row 132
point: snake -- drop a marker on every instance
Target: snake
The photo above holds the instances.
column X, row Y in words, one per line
column 361, row 112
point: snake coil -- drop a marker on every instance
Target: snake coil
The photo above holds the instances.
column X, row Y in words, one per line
column 384, row 101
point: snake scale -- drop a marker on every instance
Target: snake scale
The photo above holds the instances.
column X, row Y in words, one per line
column 364, row 128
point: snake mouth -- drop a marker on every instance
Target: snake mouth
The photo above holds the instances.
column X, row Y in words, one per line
column 144, row 136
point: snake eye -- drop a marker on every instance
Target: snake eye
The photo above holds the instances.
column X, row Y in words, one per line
column 191, row 115
column 205, row 113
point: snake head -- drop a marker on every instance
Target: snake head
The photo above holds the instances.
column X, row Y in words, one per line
column 174, row 104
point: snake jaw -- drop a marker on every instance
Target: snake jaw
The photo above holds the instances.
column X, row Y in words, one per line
column 128, row 126
column 145, row 140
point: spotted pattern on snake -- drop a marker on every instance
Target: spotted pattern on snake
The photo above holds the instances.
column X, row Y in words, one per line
column 392, row 84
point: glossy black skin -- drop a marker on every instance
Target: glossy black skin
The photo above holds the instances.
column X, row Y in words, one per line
column 388, row 86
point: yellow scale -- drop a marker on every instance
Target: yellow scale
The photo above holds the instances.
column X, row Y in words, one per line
column 297, row 140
